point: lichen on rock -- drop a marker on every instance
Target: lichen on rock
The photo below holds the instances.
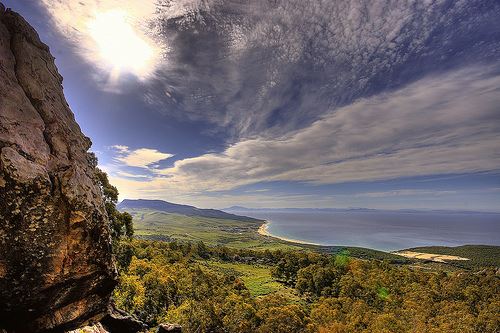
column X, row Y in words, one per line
column 56, row 266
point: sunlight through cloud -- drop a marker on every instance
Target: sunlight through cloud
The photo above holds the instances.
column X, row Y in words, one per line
column 119, row 46
column 114, row 36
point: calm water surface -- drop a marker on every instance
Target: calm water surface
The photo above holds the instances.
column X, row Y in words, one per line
column 386, row 231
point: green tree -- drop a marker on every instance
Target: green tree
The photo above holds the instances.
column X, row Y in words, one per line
column 283, row 319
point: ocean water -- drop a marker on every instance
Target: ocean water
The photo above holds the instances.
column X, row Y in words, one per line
column 383, row 230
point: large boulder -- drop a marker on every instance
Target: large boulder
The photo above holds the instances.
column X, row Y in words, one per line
column 56, row 268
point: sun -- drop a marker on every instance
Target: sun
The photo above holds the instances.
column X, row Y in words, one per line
column 120, row 47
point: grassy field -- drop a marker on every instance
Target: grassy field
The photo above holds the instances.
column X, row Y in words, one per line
column 257, row 278
column 154, row 225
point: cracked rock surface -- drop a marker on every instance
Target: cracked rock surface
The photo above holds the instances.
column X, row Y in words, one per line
column 56, row 268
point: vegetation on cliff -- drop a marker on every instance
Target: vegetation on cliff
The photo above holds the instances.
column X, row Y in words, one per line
column 120, row 222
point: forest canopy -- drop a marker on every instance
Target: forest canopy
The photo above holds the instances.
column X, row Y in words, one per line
column 171, row 282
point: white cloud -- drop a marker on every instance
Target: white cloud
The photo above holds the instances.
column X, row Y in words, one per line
column 481, row 199
column 130, row 175
column 439, row 125
column 141, row 158
column 120, row 148
column 291, row 60
column 290, row 55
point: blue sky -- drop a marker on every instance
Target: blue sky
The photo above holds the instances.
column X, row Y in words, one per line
column 298, row 103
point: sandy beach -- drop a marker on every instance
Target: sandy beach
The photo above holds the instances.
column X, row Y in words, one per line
column 263, row 230
column 428, row 256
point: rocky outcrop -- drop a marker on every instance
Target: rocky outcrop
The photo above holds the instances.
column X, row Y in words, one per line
column 56, row 269
column 121, row 322
column 116, row 321
column 169, row 328
column 96, row 328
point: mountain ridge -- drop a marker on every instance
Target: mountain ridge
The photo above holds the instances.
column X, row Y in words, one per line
column 169, row 207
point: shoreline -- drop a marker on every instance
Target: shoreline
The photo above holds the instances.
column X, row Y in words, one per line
column 263, row 231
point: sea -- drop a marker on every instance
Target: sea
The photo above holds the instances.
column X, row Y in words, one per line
column 382, row 230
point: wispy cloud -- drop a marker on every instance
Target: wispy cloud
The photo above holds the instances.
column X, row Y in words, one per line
column 276, row 66
column 439, row 125
column 381, row 90
column 404, row 192
column 258, row 190
column 130, row 175
column 119, row 35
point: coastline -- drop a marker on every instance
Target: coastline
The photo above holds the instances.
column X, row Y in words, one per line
column 263, row 231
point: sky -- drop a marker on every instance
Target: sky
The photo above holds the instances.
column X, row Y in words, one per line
column 285, row 103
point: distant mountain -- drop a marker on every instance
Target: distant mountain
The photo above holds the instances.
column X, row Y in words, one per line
column 168, row 207
column 303, row 210
column 240, row 209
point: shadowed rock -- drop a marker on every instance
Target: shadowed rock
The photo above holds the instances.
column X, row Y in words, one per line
column 121, row 322
column 56, row 268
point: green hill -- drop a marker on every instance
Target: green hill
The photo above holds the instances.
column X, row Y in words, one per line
column 157, row 225
column 172, row 208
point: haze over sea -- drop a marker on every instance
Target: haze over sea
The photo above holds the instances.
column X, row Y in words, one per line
column 382, row 230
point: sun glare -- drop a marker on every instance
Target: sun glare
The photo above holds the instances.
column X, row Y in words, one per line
column 119, row 45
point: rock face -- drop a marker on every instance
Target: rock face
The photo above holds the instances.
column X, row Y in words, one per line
column 121, row 322
column 169, row 328
column 56, row 268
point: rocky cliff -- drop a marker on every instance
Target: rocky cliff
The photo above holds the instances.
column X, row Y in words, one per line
column 56, row 268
